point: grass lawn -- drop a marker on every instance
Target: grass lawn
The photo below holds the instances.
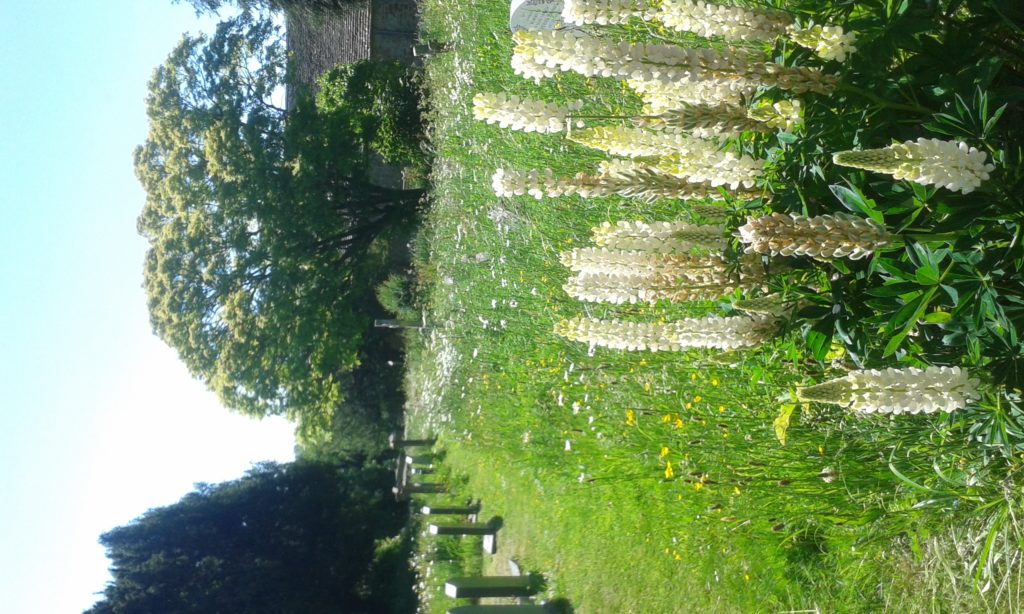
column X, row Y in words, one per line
column 656, row 482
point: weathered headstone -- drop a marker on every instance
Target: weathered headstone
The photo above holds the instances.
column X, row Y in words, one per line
column 453, row 510
column 397, row 440
column 488, row 532
column 535, row 15
column 490, row 586
column 426, row 460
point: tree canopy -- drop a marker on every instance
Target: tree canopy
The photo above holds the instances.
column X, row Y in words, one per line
column 261, row 230
column 214, row 6
column 285, row 538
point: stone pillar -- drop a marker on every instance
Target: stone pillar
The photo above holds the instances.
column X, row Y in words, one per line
column 396, row 440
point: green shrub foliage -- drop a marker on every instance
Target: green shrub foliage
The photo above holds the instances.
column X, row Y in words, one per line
column 380, row 102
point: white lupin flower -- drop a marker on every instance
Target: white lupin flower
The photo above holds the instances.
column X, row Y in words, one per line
column 660, row 96
column 638, row 288
column 720, row 120
column 541, row 54
column 618, row 276
column 824, row 237
column 638, row 143
column 718, row 169
column 709, row 332
column 614, row 178
column 605, row 12
column 898, row 391
column 828, row 42
column 785, row 114
column 658, row 237
column 693, row 269
column 953, row 165
column 732, row 22
column 523, row 114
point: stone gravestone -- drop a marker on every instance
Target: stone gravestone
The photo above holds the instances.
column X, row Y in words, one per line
column 535, row 15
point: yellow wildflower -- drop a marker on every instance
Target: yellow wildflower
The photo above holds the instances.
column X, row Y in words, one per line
column 714, row 381
column 630, row 418
column 677, row 557
column 666, row 418
column 678, row 423
column 721, row 409
column 736, row 490
column 697, row 399
column 693, row 377
column 698, row 485
column 664, row 452
column 668, row 471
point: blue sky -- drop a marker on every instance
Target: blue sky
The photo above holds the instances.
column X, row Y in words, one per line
column 99, row 421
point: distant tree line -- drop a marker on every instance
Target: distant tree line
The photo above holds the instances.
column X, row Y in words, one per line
column 295, row 538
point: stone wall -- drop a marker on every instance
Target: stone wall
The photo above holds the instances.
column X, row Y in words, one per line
column 373, row 29
column 318, row 43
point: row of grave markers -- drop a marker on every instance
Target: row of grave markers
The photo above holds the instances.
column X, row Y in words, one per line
column 408, row 471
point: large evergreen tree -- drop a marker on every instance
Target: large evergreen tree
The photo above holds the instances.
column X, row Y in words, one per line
column 285, row 538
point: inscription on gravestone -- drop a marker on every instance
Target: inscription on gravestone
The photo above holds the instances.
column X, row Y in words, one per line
column 535, row 14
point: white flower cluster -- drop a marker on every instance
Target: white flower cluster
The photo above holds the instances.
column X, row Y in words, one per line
column 660, row 96
column 898, row 391
column 543, row 54
column 708, row 19
column 828, row 42
column 951, row 164
column 523, row 114
column 539, row 184
column 605, row 12
column 658, row 237
column 639, row 143
column 784, row 115
column 824, row 237
column 620, row 177
column 722, row 169
column 636, row 288
column 551, row 51
column 709, row 332
column 683, row 268
column 718, row 169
